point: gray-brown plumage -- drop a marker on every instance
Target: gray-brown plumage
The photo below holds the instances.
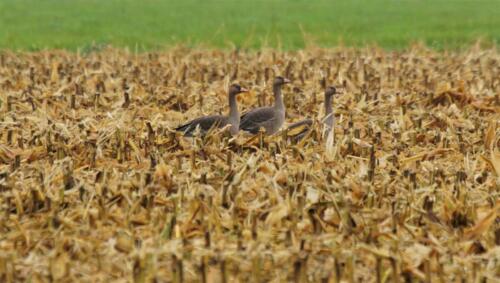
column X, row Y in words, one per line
column 269, row 118
column 299, row 129
column 207, row 123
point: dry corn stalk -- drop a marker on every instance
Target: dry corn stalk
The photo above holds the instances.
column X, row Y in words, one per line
column 95, row 186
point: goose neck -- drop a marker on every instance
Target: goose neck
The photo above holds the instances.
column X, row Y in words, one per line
column 233, row 107
column 328, row 105
column 328, row 113
column 278, row 98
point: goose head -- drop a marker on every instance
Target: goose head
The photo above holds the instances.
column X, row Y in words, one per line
column 236, row 89
column 280, row 81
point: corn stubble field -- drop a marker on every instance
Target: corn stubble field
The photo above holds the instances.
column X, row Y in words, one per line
column 95, row 186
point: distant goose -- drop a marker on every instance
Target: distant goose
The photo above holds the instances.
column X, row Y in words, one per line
column 217, row 121
column 270, row 118
column 329, row 115
column 299, row 129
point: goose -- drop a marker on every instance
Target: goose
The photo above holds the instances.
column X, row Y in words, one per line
column 329, row 116
column 270, row 118
column 299, row 129
column 206, row 123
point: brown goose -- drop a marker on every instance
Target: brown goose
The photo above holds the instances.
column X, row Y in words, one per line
column 217, row 121
column 299, row 129
column 270, row 118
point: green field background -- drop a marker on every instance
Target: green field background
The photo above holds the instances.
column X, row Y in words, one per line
column 287, row 24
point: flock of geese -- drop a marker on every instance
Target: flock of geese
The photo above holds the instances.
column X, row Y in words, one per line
column 268, row 119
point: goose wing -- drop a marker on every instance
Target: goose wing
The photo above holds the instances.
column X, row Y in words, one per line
column 204, row 123
column 298, row 130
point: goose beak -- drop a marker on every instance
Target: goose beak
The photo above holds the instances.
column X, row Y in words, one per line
column 243, row 89
column 286, row 81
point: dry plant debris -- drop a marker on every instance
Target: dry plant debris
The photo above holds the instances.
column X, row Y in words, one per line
column 96, row 187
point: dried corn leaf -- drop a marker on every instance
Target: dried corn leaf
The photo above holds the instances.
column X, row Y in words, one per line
column 98, row 187
column 484, row 224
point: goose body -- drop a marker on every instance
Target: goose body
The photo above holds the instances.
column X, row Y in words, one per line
column 264, row 117
column 206, row 123
column 269, row 118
